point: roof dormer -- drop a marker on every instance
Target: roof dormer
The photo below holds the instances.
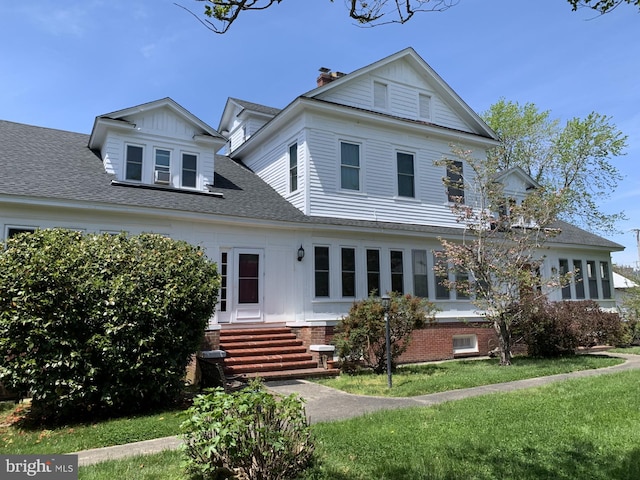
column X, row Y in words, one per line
column 157, row 143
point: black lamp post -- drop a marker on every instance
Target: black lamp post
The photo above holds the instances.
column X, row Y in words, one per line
column 386, row 305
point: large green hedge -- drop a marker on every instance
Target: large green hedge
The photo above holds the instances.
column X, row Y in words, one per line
column 101, row 323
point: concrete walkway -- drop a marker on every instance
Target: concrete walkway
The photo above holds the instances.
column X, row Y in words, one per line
column 325, row 404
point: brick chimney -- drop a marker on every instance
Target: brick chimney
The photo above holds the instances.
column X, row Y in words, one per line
column 327, row 76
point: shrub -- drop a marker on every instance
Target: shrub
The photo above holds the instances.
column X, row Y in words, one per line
column 249, row 434
column 101, row 323
column 361, row 338
column 552, row 329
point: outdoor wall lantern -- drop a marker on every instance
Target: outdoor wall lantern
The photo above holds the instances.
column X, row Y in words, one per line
column 300, row 253
column 386, row 305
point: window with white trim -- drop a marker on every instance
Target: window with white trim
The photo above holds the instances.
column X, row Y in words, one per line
column 189, row 170
column 373, row 271
column 13, row 231
column 420, row 276
column 605, row 279
column 349, row 166
column 162, row 167
column 455, row 182
column 465, row 343
column 293, row 167
column 133, row 163
column 321, row 270
column 348, row 262
column 380, row 95
column 406, row 175
column 224, row 280
column 397, row 271
column 424, row 106
column 593, row 280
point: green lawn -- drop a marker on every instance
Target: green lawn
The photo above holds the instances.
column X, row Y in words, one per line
column 73, row 438
column 582, row 429
column 627, row 350
column 409, row 381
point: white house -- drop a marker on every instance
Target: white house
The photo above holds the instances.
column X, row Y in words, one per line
column 310, row 208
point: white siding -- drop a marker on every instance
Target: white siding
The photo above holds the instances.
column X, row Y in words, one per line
column 404, row 85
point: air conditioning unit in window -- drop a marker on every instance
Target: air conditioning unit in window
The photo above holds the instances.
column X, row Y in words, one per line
column 162, row 177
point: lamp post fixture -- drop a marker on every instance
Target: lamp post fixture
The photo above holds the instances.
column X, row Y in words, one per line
column 386, row 305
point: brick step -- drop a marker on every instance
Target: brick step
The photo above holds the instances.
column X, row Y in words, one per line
column 256, row 337
column 253, row 331
column 268, row 367
column 270, row 350
column 274, row 358
column 260, row 344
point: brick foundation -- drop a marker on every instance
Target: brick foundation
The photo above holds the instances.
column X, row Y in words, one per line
column 433, row 342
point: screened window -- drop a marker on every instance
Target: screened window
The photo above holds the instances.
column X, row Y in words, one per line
column 420, row 282
column 406, row 184
column 578, row 279
column 593, row 280
column 189, row 170
column 455, row 182
column 348, row 272
column 293, row 167
column 605, row 280
column 397, row 272
column 442, row 292
column 134, row 163
column 349, row 166
column 373, row 272
column 321, row 267
column 379, row 95
column 465, row 343
column 162, row 167
column 564, row 269
column 424, row 107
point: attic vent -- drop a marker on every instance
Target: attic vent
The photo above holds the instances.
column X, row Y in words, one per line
column 162, row 177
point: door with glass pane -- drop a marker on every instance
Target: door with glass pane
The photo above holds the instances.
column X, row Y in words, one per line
column 248, row 282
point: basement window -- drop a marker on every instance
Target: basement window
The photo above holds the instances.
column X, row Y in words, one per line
column 465, row 344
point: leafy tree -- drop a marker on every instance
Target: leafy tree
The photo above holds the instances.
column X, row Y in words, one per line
column 221, row 14
column 601, row 6
column 498, row 259
column 101, row 324
column 572, row 161
column 361, row 338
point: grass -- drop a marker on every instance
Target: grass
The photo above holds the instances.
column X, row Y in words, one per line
column 627, row 350
column 579, row 429
column 409, row 381
column 72, row 438
column 582, row 429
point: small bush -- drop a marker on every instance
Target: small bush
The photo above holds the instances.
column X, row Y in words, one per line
column 552, row 329
column 249, row 434
column 361, row 338
column 100, row 324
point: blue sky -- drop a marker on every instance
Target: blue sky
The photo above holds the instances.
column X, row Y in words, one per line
column 64, row 63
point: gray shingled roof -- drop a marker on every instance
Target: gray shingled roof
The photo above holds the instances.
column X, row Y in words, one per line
column 56, row 165
column 256, row 107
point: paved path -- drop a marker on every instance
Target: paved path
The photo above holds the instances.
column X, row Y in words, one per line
column 327, row 404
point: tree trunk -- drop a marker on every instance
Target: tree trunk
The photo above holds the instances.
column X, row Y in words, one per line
column 502, row 328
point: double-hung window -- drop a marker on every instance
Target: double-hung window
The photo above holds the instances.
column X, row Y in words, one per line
column 455, row 182
column 420, row 282
column 321, row 267
column 293, row 167
column 349, row 166
column 593, row 280
column 564, row 269
column 441, row 277
column 134, row 163
column 348, row 272
column 373, row 272
column 189, row 170
column 406, row 175
column 605, row 279
column 397, row 271
column 162, row 167
column 578, row 279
